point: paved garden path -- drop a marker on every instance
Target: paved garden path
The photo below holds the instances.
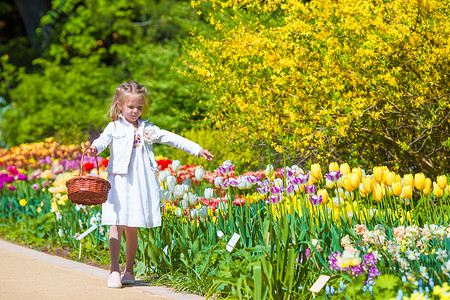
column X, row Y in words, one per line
column 29, row 274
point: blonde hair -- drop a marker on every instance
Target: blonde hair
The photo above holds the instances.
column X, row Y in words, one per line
column 123, row 91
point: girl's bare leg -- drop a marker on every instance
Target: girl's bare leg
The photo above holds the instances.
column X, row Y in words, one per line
column 130, row 253
column 115, row 234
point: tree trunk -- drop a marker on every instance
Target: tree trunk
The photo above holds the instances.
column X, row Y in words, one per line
column 31, row 12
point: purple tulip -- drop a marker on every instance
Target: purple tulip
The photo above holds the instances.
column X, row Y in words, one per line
column 9, row 179
column 333, row 176
column 287, row 171
column 315, row 200
column 1, row 185
column 300, row 179
column 233, row 182
column 263, row 190
column 12, row 188
column 252, row 179
column 274, row 199
column 310, row 189
column 290, row 189
column 275, row 190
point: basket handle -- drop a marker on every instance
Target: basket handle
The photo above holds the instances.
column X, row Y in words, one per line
column 81, row 164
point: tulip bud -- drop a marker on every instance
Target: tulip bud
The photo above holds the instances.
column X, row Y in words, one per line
column 316, row 171
column 368, row 184
column 354, row 180
column 333, row 167
column 163, row 175
column 171, row 182
column 408, row 179
column 346, row 183
column 164, row 195
column 378, row 193
column 397, row 188
column 419, row 181
column 175, row 165
column 378, row 174
column 390, row 178
column 437, row 191
column 345, row 169
column 442, row 181
column 203, row 212
column 407, row 192
column 209, row 193
column 358, row 172
column 178, row 212
column 199, row 174
column 324, row 195
column 184, row 204
column 269, row 171
column 218, row 181
column 427, row 190
column 178, row 191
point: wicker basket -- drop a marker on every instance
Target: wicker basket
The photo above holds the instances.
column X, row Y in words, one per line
column 88, row 189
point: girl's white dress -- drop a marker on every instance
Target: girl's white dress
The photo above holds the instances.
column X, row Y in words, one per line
column 134, row 198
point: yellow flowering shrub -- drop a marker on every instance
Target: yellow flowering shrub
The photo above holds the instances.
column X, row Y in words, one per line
column 328, row 79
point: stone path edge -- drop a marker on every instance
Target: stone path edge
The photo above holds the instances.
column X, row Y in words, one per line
column 81, row 267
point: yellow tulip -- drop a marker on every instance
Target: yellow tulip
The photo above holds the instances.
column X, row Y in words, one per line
column 378, row 174
column 333, row 167
column 324, row 194
column 427, row 190
column 378, row 192
column 23, row 202
column 354, row 180
column 316, row 171
column 390, row 178
column 437, row 191
column 419, row 181
column 345, row 169
column 358, row 172
column 442, row 182
column 408, row 179
column 368, row 183
column 407, row 192
column 346, row 183
column 397, row 188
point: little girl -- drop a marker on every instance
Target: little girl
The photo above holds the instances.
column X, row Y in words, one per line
column 133, row 200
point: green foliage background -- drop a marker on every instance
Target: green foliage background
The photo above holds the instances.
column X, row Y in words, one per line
column 87, row 48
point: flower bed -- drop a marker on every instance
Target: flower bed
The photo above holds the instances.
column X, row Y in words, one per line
column 378, row 236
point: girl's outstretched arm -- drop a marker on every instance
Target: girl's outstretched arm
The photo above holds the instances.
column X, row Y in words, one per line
column 206, row 155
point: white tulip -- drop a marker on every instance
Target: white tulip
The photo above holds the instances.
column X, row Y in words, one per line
column 209, row 193
column 184, row 204
column 199, row 174
column 269, row 171
column 176, row 165
column 178, row 212
column 171, row 182
column 190, row 198
column 203, row 212
column 178, row 191
column 163, row 175
column 220, row 234
column 165, row 195
column 186, row 184
column 194, row 213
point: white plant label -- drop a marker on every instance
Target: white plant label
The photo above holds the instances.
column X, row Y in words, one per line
column 234, row 239
column 319, row 284
column 165, row 249
column 84, row 234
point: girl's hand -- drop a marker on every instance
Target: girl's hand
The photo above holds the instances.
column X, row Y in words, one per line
column 92, row 151
column 205, row 154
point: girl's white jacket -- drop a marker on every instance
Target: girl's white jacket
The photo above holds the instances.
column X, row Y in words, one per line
column 119, row 136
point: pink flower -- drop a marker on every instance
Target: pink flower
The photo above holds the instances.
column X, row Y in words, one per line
column 12, row 188
column 360, row 229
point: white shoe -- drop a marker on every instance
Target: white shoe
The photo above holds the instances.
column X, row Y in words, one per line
column 114, row 280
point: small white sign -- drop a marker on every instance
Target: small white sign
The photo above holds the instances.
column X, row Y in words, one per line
column 234, row 239
column 319, row 284
column 84, row 234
